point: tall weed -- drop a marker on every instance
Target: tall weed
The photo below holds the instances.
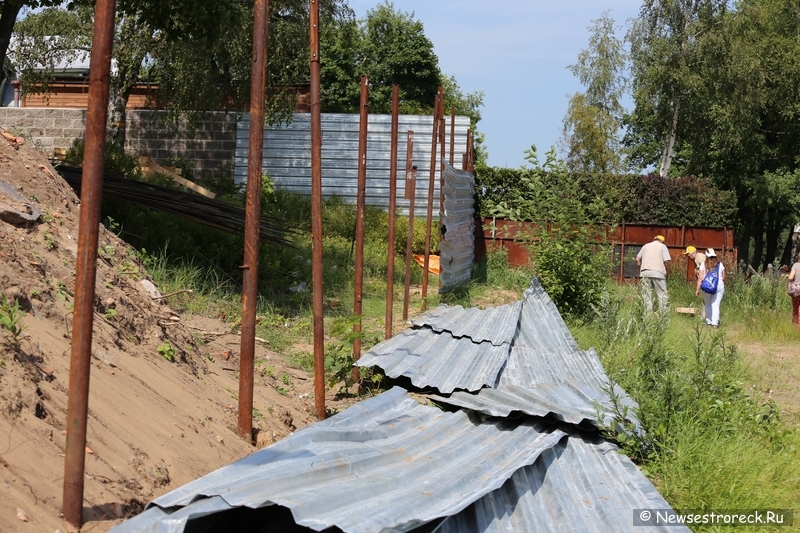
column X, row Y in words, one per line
column 708, row 442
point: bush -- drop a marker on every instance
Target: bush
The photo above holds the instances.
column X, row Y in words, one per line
column 116, row 162
column 571, row 268
column 418, row 240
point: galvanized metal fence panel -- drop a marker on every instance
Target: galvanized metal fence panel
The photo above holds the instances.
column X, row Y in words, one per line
column 457, row 245
column 287, row 150
column 467, row 353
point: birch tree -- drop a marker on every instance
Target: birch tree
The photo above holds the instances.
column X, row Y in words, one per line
column 663, row 42
column 594, row 117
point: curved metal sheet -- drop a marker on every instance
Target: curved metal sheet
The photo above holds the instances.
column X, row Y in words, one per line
column 457, row 245
column 582, row 484
column 572, row 402
column 496, row 325
column 436, row 360
column 386, row 464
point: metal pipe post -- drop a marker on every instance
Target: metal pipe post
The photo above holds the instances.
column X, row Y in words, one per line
column 442, row 150
column 316, row 217
column 360, row 207
column 441, row 161
column 251, row 221
column 392, row 207
column 622, row 255
column 411, row 193
column 86, row 264
column 429, row 221
column 452, row 133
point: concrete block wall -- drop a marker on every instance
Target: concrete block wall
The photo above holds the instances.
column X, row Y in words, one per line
column 211, row 147
column 45, row 128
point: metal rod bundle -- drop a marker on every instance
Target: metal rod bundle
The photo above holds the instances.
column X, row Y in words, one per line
column 209, row 212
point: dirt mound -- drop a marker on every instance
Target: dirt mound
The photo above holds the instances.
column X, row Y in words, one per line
column 162, row 408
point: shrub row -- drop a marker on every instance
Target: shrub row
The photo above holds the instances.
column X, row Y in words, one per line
column 614, row 198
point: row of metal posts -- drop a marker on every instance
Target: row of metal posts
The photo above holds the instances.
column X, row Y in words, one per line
column 91, row 196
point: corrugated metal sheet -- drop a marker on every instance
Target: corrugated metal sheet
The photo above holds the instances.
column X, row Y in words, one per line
column 545, row 351
column 457, row 245
column 386, row 464
column 442, row 361
column 494, row 324
column 450, row 348
column 573, row 401
column 545, row 371
column 287, row 152
column 582, row 484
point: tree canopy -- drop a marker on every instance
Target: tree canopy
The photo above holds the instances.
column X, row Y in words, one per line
column 390, row 47
column 594, row 117
column 716, row 92
column 200, row 59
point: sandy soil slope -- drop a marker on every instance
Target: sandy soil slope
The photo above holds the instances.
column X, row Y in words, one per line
column 153, row 424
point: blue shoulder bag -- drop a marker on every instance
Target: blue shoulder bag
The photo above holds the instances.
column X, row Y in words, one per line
column 711, row 281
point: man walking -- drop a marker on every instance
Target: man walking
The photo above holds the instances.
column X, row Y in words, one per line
column 653, row 261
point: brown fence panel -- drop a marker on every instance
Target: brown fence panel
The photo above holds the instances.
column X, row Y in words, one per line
column 626, row 239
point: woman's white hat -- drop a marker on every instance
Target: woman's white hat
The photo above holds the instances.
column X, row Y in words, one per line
column 710, row 253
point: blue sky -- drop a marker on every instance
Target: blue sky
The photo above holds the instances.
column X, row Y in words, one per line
column 516, row 51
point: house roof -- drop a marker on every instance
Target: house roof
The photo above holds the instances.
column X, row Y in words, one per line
column 390, row 464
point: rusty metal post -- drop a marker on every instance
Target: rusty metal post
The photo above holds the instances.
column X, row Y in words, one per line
column 429, row 221
column 411, row 194
column 360, row 207
column 441, row 159
column 452, row 133
column 622, row 255
column 392, row 207
column 442, row 148
column 86, row 264
column 251, row 223
column 316, row 217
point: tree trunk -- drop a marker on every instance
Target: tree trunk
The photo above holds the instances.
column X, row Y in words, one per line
column 669, row 149
column 130, row 52
column 773, row 234
column 8, row 18
column 758, row 253
column 786, row 256
column 743, row 242
column 117, row 102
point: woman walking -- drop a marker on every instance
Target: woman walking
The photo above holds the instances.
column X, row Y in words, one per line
column 712, row 301
column 794, row 291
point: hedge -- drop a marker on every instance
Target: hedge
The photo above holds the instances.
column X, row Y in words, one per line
column 614, row 198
